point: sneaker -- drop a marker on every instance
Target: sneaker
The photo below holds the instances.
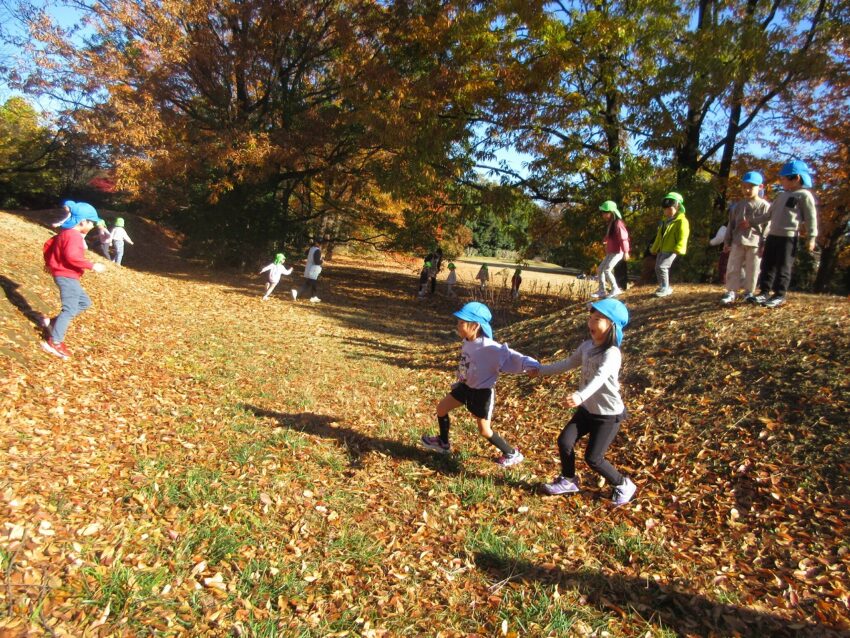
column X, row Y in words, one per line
column 774, row 302
column 664, row 292
column 614, row 293
column 760, row 299
column 561, row 485
column 314, row 300
column 436, row 443
column 57, row 349
column 294, row 294
column 728, row 298
column 506, row 460
column 749, row 298
column 265, row 299
column 599, row 294
column 624, row 493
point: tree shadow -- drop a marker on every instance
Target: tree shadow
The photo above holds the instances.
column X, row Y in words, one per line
column 683, row 612
column 357, row 445
column 19, row 301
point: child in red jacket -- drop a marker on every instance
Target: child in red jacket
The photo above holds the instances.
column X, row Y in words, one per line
column 65, row 258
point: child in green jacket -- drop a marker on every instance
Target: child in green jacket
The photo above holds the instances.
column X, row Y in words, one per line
column 670, row 240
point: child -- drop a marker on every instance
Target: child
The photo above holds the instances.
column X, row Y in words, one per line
column 671, row 240
column 481, row 361
column 104, row 238
column 516, row 282
column 451, row 280
column 67, row 206
column 275, row 270
column 483, row 276
column 312, row 270
column 65, row 258
column 424, row 278
column 793, row 205
column 742, row 239
column 616, row 249
column 119, row 236
column 600, row 407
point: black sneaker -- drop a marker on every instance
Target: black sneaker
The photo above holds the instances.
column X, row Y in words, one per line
column 759, row 299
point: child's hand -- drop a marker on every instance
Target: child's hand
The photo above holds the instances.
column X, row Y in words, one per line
column 533, row 372
column 574, row 400
column 98, row 267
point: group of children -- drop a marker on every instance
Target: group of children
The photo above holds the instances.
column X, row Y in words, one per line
column 760, row 239
column 106, row 239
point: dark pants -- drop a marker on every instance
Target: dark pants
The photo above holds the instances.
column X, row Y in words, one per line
column 602, row 429
column 309, row 286
column 776, row 264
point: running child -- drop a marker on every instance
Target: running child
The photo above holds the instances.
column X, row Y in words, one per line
column 104, row 238
column 481, row 361
column 275, row 270
column 65, row 258
column 119, row 236
column 424, row 278
column 483, row 276
column 600, row 407
column 516, row 282
column 451, row 280
column 616, row 249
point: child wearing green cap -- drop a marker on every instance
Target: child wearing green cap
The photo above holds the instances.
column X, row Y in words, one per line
column 119, row 236
column 600, row 407
column 616, row 249
column 483, row 276
column 275, row 270
column 451, row 280
column 104, row 238
column 481, row 361
column 671, row 240
column 424, row 278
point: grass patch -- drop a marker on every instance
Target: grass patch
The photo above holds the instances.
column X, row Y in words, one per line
column 627, row 545
column 356, row 547
column 121, row 587
column 262, row 583
column 213, row 541
column 494, row 546
column 472, row 490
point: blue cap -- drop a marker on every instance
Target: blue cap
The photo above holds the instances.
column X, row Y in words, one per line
column 753, row 177
column 616, row 311
column 79, row 212
column 477, row 312
column 797, row 167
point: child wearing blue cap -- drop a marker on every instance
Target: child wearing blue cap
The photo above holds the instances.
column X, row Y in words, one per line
column 481, row 361
column 65, row 258
column 600, row 407
column 743, row 236
column 791, row 207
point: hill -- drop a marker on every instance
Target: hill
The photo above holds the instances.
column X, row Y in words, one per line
column 207, row 464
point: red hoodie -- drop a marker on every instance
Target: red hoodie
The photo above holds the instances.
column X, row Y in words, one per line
column 65, row 254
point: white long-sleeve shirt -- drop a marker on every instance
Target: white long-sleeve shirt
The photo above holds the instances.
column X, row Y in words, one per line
column 482, row 359
column 599, row 387
column 275, row 271
column 119, row 234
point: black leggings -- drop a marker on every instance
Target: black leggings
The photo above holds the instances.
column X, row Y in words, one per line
column 308, row 285
column 776, row 264
column 602, row 429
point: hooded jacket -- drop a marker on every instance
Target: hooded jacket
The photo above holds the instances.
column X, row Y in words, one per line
column 65, row 254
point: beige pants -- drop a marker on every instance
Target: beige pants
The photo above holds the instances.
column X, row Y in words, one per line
column 742, row 270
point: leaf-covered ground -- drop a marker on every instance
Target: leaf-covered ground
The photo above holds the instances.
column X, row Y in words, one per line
column 208, row 464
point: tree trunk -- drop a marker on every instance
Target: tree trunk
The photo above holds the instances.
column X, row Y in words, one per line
column 835, row 241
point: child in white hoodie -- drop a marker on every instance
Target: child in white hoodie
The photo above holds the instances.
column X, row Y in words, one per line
column 275, row 270
column 481, row 361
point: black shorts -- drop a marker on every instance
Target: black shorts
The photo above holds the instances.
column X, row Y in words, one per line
column 478, row 401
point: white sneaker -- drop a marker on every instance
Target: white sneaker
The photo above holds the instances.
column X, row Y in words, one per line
column 599, row 294
column 614, row 293
column 728, row 298
column 294, row 294
column 624, row 493
column 314, row 300
column 663, row 292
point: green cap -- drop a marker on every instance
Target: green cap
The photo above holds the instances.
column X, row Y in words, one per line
column 427, row 264
column 609, row 206
column 119, row 222
column 278, row 259
column 451, row 266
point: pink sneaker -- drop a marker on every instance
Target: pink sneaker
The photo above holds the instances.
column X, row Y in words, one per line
column 506, row 460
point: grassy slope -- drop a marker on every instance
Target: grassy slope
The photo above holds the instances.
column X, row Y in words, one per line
column 210, row 464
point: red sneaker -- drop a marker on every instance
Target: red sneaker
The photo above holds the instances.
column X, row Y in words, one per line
column 57, row 349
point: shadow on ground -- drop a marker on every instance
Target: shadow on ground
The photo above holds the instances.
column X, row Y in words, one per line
column 685, row 613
